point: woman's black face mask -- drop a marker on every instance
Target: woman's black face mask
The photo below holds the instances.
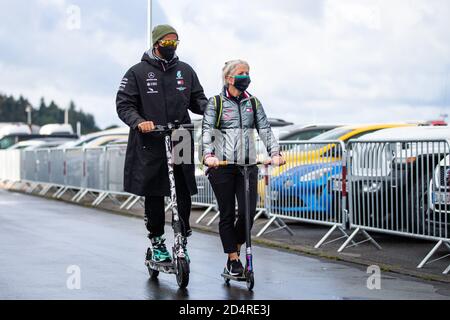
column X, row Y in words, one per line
column 242, row 82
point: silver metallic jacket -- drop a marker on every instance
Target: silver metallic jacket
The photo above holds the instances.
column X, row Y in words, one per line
column 232, row 137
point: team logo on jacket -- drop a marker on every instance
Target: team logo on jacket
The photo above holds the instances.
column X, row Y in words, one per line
column 152, row 82
column 180, row 81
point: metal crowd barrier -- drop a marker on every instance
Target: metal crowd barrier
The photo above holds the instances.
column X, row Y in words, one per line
column 84, row 171
column 301, row 190
column 395, row 188
column 205, row 196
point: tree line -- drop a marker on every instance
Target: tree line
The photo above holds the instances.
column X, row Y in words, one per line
column 14, row 110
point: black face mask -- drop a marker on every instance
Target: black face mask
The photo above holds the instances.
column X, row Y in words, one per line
column 167, row 52
column 241, row 82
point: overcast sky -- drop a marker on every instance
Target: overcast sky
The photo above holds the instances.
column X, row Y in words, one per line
column 311, row 60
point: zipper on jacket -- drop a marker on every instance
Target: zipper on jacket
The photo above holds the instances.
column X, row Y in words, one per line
column 242, row 132
column 165, row 99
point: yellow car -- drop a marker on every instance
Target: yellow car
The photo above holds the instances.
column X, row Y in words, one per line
column 311, row 153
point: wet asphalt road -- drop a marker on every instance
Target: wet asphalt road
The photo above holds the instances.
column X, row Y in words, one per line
column 40, row 239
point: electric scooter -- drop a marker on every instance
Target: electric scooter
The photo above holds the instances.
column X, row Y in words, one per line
column 248, row 275
column 179, row 265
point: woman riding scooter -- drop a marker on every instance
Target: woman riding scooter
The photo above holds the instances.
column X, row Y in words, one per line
column 228, row 135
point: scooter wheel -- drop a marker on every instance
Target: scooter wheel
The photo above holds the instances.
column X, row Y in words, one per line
column 227, row 282
column 250, row 281
column 182, row 273
column 153, row 273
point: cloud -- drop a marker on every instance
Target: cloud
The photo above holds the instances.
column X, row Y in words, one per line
column 41, row 56
column 357, row 60
column 311, row 60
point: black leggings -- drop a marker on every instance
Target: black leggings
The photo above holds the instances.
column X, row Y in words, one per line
column 228, row 184
column 154, row 207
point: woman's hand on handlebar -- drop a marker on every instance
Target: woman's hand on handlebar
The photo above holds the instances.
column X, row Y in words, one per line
column 277, row 160
column 212, row 162
column 146, row 127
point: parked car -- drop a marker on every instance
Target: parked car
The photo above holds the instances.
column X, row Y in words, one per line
column 34, row 144
column 440, row 197
column 303, row 184
column 104, row 140
column 83, row 140
column 391, row 180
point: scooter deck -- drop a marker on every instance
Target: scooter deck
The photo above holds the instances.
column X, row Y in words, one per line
column 240, row 278
column 165, row 267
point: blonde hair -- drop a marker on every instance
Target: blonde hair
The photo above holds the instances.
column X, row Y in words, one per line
column 229, row 68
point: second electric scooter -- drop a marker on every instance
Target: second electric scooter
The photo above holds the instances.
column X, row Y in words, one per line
column 248, row 275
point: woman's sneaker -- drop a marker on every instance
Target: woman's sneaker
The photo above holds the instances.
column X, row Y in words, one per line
column 159, row 250
column 234, row 267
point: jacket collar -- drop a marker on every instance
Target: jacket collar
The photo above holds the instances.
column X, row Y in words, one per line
column 227, row 94
column 158, row 62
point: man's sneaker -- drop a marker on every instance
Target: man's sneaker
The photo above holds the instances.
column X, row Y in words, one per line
column 234, row 267
column 159, row 250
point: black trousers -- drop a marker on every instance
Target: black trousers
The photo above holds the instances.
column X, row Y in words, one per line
column 154, row 207
column 228, row 185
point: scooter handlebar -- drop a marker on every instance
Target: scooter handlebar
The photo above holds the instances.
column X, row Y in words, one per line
column 173, row 127
column 225, row 163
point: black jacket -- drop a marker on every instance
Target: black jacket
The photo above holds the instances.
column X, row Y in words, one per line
column 161, row 92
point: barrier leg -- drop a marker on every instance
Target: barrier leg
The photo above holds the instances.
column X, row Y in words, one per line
column 114, row 199
column 45, row 189
column 447, row 270
column 267, row 225
column 213, row 218
column 20, row 186
column 11, row 184
column 100, row 198
column 260, row 213
column 432, row 252
column 325, row 237
column 131, row 205
column 350, row 239
column 96, row 199
column 58, row 189
column 62, row 192
column 82, row 195
column 126, row 202
column 77, row 194
column 204, row 214
column 279, row 222
column 32, row 187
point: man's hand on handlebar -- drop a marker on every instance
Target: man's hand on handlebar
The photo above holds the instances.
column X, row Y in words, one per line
column 146, row 127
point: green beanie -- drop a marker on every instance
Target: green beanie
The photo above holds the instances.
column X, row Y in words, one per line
column 161, row 31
